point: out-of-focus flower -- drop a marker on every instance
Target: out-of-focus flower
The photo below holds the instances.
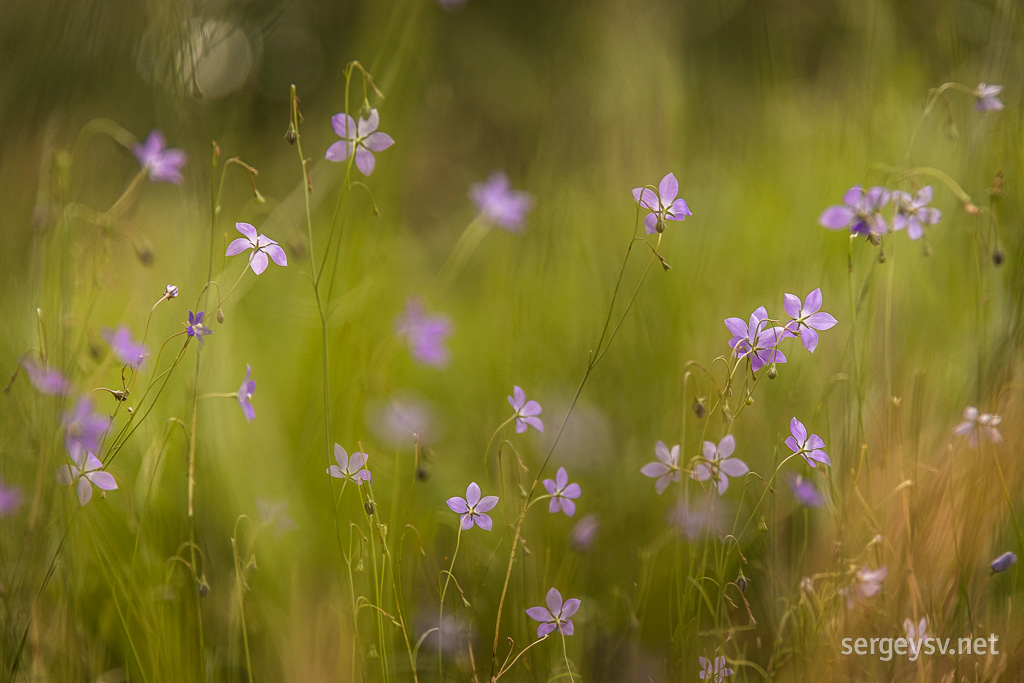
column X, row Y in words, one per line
column 87, row 471
column 274, row 515
column 127, row 350
column 696, row 521
column 562, row 493
column 401, row 419
column 916, row 633
column 867, row 583
column 757, row 340
column 362, row 138
column 425, row 333
column 810, row 448
column 473, row 508
column 913, row 213
column 170, row 292
column 582, row 535
column 245, row 393
column 556, row 616
column 10, row 499
column 665, row 469
column 451, row 4
column 499, row 204
column 526, row 411
column 351, row 468
column 974, row 423
column 1003, row 562
column 860, row 212
column 807, row 321
column 46, row 380
column 805, row 492
column 714, row 671
column 663, row 205
column 261, row 245
column 161, row 164
column 718, row 464
column 83, row 428
column 988, row 97
column 195, row 327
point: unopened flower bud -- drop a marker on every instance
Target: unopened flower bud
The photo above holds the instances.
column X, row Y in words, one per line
column 291, row 136
column 369, row 507
column 750, row 400
column 1003, row 562
column 773, row 371
column 422, row 474
column 220, row 315
column 998, row 256
column 971, row 208
column 742, row 583
column 203, row 587
column 881, row 256
column 660, row 225
column 762, row 525
column 699, row 409
column 170, row 291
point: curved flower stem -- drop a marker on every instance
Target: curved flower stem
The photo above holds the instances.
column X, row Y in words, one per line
column 440, row 614
column 932, row 101
column 565, row 655
column 495, row 434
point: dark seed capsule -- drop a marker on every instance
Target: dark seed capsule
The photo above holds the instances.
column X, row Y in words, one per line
column 699, row 409
column 998, row 256
column 422, row 474
column 742, row 583
column 369, row 507
column 203, row 588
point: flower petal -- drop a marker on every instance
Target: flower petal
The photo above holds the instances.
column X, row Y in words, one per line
column 484, row 521
column 259, row 262
column 247, row 230
column 554, row 601
column 668, row 189
column 836, row 217
column 486, row 503
column 539, row 614
column 238, row 246
column 472, row 494
column 339, row 151
column 277, row 253
column 345, row 126
column 364, row 160
column 726, row 446
column 378, row 142
column 104, row 480
column 457, row 504
column 84, row 490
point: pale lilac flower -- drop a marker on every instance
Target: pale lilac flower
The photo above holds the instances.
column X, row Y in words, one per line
column 83, row 427
column 913, row 213
column 756, row 340
column 714, row 671
column 556, row 616
column 473, row 508
column 718, row 464
column 401, row 419
column 171, row 292
column 988, row 97
column 274, row 515
column 666, row 469
column 694, row 522
column 87, row 470
column 867, row 583
column 261, row 245
column 1003, row 562
column 195, row 327
column 46, row 380
column 245, row 393
column 663, row 205
column 805, row 492
column 10, row 499
column 526, row 411
column 351, row 468
column 811, row 448
column 973, row 424
column 916, row 633
column 426, row 333
column 362, row 138
column 860, row 212
column 807, row 321
column 499, row 204
column 450, row 637
column 562, row 493
column 582, row 535
column 163, row 165
column 127, row 350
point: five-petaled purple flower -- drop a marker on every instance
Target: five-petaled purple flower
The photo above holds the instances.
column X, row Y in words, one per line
column 261, row 245
column 195, row 327
column 363, row 138
column 860, row 212
column 46, row 380
column 583, row 534
column 10, row 498
column 758, row 340
column 127, row 350
column 426, row 333
column 245, row 393
column 810, row 448
column 83, row 428
column 988, row 97
column 663, row 205
column 807, row 321
column 473, row 508
column 718, row 465
column 526, row 411
column 557, row 616
column 499, row 204
column 666, row 469
column 1003, row 562
column 163, row 165
column 562, row 493
column 913, row 213
column 352, row 468
column 805, row 492
column 86, row 471
column 973, row 423
column 714, row 671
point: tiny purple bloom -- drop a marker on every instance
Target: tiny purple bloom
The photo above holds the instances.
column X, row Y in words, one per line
column 562, row 493
column 171, row 292
column 860, row 212
column 916, row 633
column 245, row 393
column 526, row 411
column 83, row 427
column 663, row 205
column 988, row 97
column 583, row 534
column 473, row 508
column 867, row 583
column 426, row 333
column 810, row 448
column 714, row 671
column 807, row 321
column 10, row 499
column 162, row 165
column 362, row 138
column 757, row 339
column 718, row 465
column 666, row 469
column 195, row 327
column 1003, row 562
column 499, row 204
column 913, row 213
column 805, row 492
column 46, row 380
column 87, row 471
column 973, row 424
column 557, row 616
column 127, row 350
column 351, row 468
column 261, row 245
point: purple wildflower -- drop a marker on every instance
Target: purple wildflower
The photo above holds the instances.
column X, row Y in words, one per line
column 805, row 492
column 556, row 616
column 714, row 671
column 425, row 333
column 46, row 380
column 810, row 448
column 274, row 515
column 973, row 423
column 526, row 411
column 663, row 205
column 351, row 468
column 582, row 535
column 916, row 633
column 362, row 138
column 195, row 327
column 163, row 165
column 860, row 212
column 867, row 583
column 718, row 465
column 694, row 522
column 666, row 469
column 913, row 213
column 171, row 292
column 562, row 493
column 83, row 427
column 10, row 499
column 1003, row 562
column 261, row 245
column 807, row 321
column 473, row 508
column 756, row 339
column 499, row 204
column 87, row 471
column 988, row 97
column 127, row 350
column 245, row 393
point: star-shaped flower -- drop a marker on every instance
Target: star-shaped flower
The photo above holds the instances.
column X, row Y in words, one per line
column 810, row 448
column 556, row 616
column 127, row 350
column 913, row 213
column 975, row 423
column 562, row 493
column 664, row 206
column 718, row 465
column 714, row 671
column 988, row 97
column 499, row 204
column 425, row 332
column 195, row 327
column 807, row 321
column 860, row 212
column 87, row 470
column 245, row 392
column 805, row 492
column 526, row 411
column 473, row 508
column 351, row 468
column 47, row 380
column 361, row 137
column 163, row 165
column 666, row 469
column 261, row 245
column 756, row 339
